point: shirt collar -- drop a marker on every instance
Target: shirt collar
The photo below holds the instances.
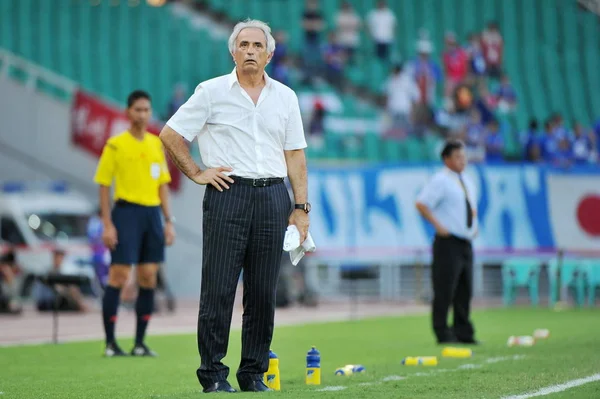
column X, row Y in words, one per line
column 451, row 172
column 232, row 79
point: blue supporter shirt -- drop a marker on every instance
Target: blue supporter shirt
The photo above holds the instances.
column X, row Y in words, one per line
column 582, row 148
column 548, row 147
column 494, row 147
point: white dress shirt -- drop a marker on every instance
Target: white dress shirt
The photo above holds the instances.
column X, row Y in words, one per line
column 235, row 133
column 445, row 197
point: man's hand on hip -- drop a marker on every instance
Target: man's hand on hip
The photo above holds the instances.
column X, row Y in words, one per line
column 213, row 176
column 300, row 219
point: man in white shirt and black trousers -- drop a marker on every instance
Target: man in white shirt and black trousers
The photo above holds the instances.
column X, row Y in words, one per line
column 448, row 202
column 250, row 136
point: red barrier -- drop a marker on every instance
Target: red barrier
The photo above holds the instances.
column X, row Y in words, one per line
column 93, row 122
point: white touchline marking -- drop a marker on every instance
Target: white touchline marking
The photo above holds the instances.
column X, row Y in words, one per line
column 470, row 366
column 557, row 388
column 497, row 359
column 333, row 388
column 393, row 378
column 366, row 384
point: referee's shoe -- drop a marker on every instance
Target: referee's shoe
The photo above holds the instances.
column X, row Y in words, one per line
column 113, row 350
column 142, row 350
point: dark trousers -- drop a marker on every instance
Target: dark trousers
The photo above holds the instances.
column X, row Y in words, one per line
column 243, row 228
column 452, row 275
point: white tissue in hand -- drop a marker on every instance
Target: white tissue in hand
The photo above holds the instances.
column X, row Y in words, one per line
column 292, row 238
column 291, row 244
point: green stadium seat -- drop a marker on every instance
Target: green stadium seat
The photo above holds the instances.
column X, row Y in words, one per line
column 551, row 51
column 393, row 150
column 520, row 272
column 415, row 150
column 371, row 143
column 566, row 274
column 592, row 278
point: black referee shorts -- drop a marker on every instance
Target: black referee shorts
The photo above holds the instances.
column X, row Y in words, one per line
column 139, row 233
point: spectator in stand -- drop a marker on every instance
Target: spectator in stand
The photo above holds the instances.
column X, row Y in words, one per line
column 476, row 61
column 382, row 26
column 548, row 142
column 597, row 136
column 505, row 97
column 559, row 129
column 482, row 104
column 279, row 67
column 280, row 53
column 474, row 137
column 282, row 72
column 494, row 143
column 313, row 24
column 177, row 100
column 583, row 145
column 492, row 45
column 402, row 94
column 426, row 72
column 316, row 126
column 563, row 157
column 348, row 26
column 100, row 254
column 456, row 64
column 334, row 56
column 9, row 300
column 64, row 297
column 531, row 142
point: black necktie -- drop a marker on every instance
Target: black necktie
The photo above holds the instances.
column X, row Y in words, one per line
column 469, row 210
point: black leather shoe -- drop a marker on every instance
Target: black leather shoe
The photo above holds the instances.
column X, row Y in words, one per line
column 221, row 386
column 255, row 386
column 446, row 341
column 471, row 341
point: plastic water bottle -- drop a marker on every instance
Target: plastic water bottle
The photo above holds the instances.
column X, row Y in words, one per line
column 313, row 367
column 420, row 361
column 524, row 340
column 541, row 333
column 457, row 352
column 350, row 369
column 272, row 377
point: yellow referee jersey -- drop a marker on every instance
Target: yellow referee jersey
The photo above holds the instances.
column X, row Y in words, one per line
column 138, row 168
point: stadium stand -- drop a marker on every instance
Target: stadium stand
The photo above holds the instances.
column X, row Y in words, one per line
column 549, row 46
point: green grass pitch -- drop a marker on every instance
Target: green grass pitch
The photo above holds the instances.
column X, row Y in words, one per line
column 77, row 370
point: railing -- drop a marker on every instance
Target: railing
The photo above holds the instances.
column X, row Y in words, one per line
column 34, row 76
column 407, row 277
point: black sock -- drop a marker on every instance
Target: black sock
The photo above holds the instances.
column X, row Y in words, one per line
column 143, row 308
column 110, row 305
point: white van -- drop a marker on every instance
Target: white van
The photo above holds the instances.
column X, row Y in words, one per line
column 37, row 217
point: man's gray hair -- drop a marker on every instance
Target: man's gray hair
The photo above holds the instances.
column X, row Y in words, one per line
column 252, row 23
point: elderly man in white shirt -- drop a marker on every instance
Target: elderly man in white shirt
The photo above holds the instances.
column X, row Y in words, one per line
column 250, row 137
column 448, row 202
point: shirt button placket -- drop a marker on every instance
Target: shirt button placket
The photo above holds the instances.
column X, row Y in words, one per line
column 257, row 149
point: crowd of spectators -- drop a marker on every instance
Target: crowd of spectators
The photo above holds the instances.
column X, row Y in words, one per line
column 466, row 93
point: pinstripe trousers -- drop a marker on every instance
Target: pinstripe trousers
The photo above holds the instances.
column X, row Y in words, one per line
column 243, row 228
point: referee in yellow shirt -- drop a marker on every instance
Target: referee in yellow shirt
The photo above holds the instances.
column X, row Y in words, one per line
column 133, row 230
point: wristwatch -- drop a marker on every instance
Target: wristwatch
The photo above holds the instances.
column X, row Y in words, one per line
column 305, row 207
column 171, row 219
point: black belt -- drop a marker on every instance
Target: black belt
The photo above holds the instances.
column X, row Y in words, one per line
column 121, row 202
column 268, row 181
column 453, row 237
